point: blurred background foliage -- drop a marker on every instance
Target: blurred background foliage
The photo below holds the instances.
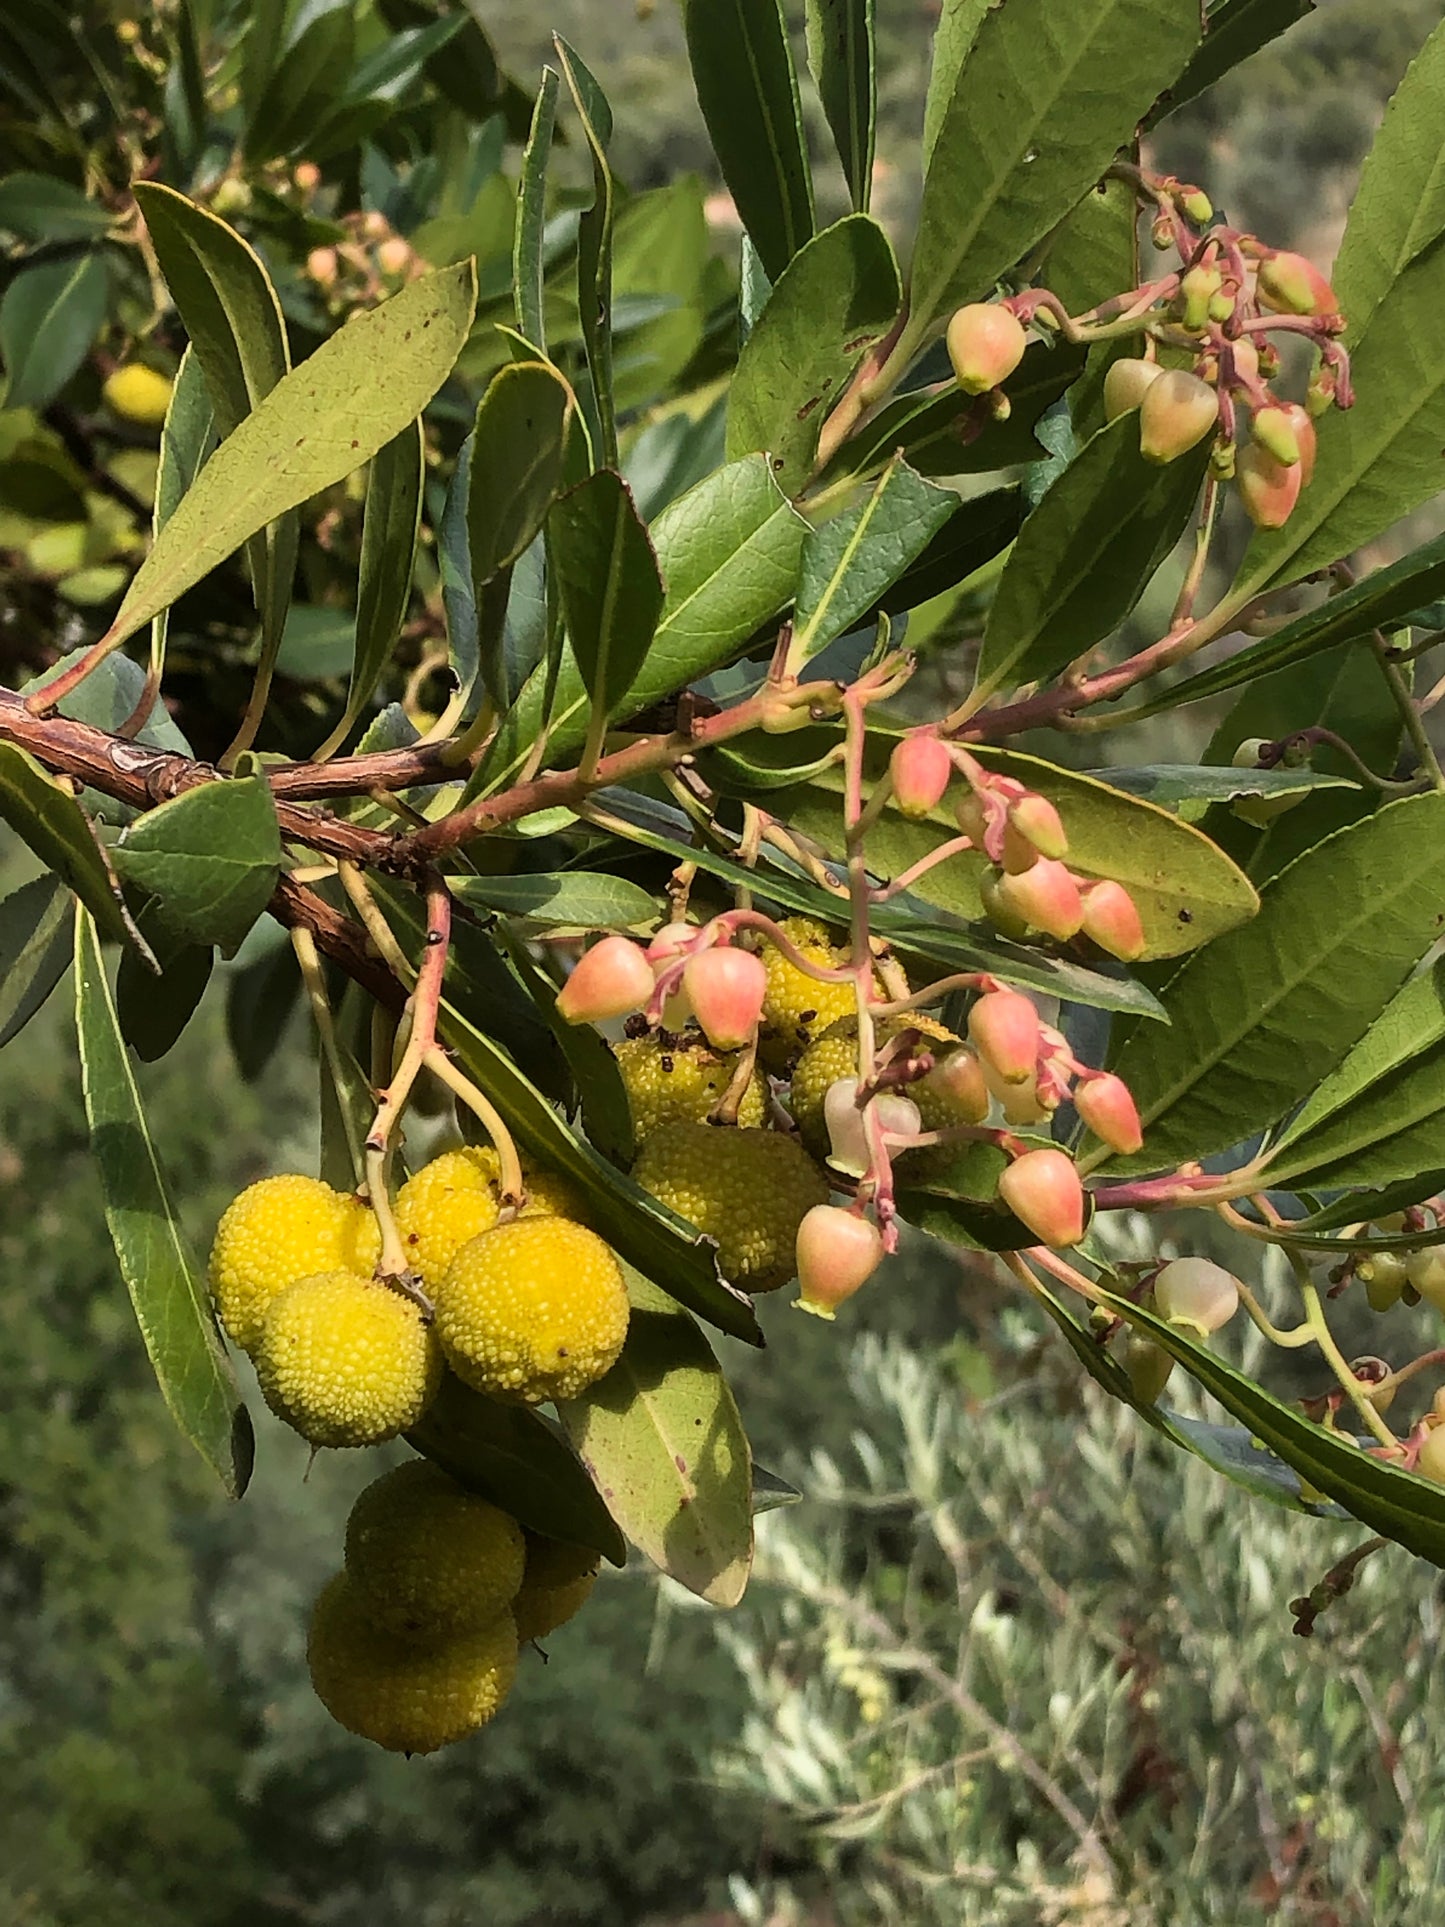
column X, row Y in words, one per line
column 1011, row 1661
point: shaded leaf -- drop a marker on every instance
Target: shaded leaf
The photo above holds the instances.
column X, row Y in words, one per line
column 302, row 83
column 261, row 995
column 40, row 207
column 528, row 259
column 154, row 1009
column 36, row 945
column 611, row 591
column 50, row 821
column 957, row 29
column 187, row 440
column 842, row 58
column 50, row 315
column 210, row 857
column 594, row 243
column 851, row 561
column 1171, row 783
column 606, row 1108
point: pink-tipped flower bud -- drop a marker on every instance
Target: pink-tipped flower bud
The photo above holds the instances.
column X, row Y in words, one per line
column 1290, row 284
column 986, row 343
column 922, row 770
column 1196, row 206
column 837, row 1253
column 1274, row 430
column 1246, row 358
column 1111, row 920
column 1003, row 1027
column 1006, row 920
column 957, row 1082
column 1196, row 1292
column 1176, row 414
column 1321, row 393
column 1045, row 897
column 1107, row 1108
column 1425, row 1270
column 1126, row 383
column 322, row 266
column 612, row 979
column 394, row 256
column 848, row 1129
column 1043, row 1191
column 1301, row 421
column 726, row 988
column 1035, row 818
column 1197, row 288
column 1267, row 488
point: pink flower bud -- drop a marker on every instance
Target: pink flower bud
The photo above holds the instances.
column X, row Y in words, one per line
column 847, row 1127
column 1035, row 818
column 1112, row 921
column 922, row 770
column 1043, row 1191
column 1126, row 383
column 1267, row 488
column 1197, row 206
column 957, row 1081
column 996, row 908
column 612, row 979
column 1107, row 1108
column 1246, row 358
column 1274, row 431
column 1177, row 412
column 1003, row 1027
column 1197, row 288
column 322, row 266
column 986, row 343
column 670, row 942
column 1192, row 1291
column 726, row 988
column 394, row 256
column 1290, row 284
column 1047, row 897
column 1304, row 433
column 837, row 1253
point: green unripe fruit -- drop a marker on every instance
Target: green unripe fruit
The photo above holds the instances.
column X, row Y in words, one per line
column 1148, row 1366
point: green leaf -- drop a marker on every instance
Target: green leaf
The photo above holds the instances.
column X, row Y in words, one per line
column 391, row 524
column 512, row 1456
column 187, row 440
column 1172, row 783
column 454, row 566
column 835, row 300
column 170, row 1301
column 1398, row 209
column 50, row 315
column 851, row 561
column 1094, row 252
column 770, row 1491
column 661, row 1437
column 260, row 999
column 1086, row 555
column 50, row 821
column 606, row 1108
column 302, row 83
column 728, row 551
column 528, row 263
column 1233, row 30
column 980, row 528
column 842, row 58
column 580, row 899
column 327, row 417
column 36, row 944
column 610, row 588
column 38, row 207
column 154, row 1009
column 594, row 243
column 1376, row 601
column 957, row 29
column 210, row 857
column 1264, row 1013
column 260, row 52
column 747, row 88
column 1387, row 1499
column 1045, row 98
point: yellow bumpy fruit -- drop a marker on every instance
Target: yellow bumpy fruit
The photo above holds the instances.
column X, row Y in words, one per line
column 797, row 1008
column 678, row 1080
column 535, row 1310
column 550, row 1195
column 407, row 1695
column 427, row 1558
column 278, row 1231
column 747, row 1189
column 558, row 1579
column 346, row 1361
column 449, row 1202
column 138, row 394
column 835, row 1055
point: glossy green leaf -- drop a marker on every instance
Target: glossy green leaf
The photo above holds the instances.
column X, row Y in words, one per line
column 662, row 1439
column 347, row 1101
column 327, row 417
column 36, row 944
column 1264, row 1013
column 302, row 83
column 835, row 300
column 580, row 899
column 747, row 88
column 1044, row 99
column 512, row 1456
column 1086, row 555
column 1172, row 783
column 1233, row 30
column 1398, row 209
column 977, row 532
column 957, row 29
column 260, row 52
column 50, row 315
column 610, row 588
column 188, row 438
column 1094, row 252
column 51, row 822
column 154, row 1009
column 1376, row 601
column 728, row 551
column 594, row 244
column 596, row 1074
column 1387, row 1499
column 1344, row 1213
column 851, row 561
column 210, row 857
column 842, row 58
column 454, row 566
column 528, row 262
column 166, row 1290
column 40, row 207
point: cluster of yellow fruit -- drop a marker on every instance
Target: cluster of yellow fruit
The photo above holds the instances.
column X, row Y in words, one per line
column 414, row 1643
